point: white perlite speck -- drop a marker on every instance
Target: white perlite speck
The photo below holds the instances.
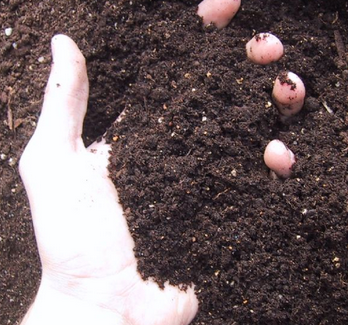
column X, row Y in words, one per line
column 8, row 31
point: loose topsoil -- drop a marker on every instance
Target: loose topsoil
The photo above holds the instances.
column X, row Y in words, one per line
column 187, row 157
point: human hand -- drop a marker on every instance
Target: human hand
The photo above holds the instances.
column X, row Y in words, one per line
column 88, row 266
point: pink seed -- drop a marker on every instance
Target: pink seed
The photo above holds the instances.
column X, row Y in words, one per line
column 279, row 158
column 218, row 12
column 288, row 93
column 264, row 48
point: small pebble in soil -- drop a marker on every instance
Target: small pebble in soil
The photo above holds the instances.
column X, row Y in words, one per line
column 264, row 48
column 279, row 158
column 345, row 74
column 8, row 31
column 288, row 93
column 218, row 12
column 12, row 162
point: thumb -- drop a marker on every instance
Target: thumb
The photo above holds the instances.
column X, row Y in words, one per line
column 59, row 129
column 66, row 96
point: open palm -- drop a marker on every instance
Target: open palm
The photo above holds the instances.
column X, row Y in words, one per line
column 84, row 243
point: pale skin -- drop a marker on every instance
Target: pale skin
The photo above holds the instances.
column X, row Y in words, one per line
column 89, row 272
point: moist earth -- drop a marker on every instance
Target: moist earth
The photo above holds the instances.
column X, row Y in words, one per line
column 187, row 157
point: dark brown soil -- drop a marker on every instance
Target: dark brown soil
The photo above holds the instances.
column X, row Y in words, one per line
column 187, row 158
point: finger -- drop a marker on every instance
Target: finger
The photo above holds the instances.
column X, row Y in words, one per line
column 60, row 124
column 187, row 302
column 167, row 306
column 66, row 95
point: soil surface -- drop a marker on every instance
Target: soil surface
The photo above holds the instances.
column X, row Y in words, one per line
column 188, row 155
